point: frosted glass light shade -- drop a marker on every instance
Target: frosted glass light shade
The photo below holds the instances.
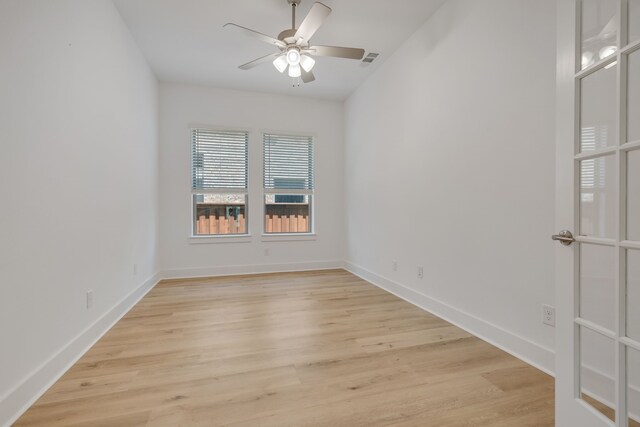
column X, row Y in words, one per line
column 280, row 63
column 295, row 71
column 293, row 57
column 607, row 51
column 307, row 62
column 588, row 59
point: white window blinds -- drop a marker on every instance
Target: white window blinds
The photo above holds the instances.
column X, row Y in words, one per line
column 288, row 162
column 593, row 171
column 219, row 160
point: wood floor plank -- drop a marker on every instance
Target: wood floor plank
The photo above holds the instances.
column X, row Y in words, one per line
column 412, row 338
column 290, row 349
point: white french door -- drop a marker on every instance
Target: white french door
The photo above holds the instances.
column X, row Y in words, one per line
column 598, row 200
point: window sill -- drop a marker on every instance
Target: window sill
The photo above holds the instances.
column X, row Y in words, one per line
column 289, row 237
column 206, row 240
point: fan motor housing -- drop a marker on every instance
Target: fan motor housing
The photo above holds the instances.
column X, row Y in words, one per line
column 290, row 33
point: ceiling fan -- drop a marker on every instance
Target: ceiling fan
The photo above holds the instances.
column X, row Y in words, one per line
column 294, row 51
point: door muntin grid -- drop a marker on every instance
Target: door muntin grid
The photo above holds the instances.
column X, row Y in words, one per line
column 618, row 150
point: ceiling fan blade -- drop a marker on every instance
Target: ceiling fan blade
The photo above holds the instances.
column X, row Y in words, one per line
column 609, row 30
column 313, row 21
column 307, row 76
column 337, row 52
column 260, row 61
column 252, row 33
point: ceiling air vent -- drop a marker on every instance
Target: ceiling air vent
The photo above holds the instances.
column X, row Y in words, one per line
column 370, row 57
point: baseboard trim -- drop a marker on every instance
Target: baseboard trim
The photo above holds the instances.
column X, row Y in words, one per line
column 529, row 352
column 234, row 270
column 14, row 403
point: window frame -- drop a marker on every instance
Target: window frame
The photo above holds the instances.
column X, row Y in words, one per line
column 311, row 193
column 219, row 238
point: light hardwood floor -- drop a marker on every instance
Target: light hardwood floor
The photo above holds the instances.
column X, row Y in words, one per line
column 293, row 349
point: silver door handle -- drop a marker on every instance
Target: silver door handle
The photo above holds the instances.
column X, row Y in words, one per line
column 565, row 237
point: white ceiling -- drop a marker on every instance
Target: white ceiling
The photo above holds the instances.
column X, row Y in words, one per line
column 184, row 41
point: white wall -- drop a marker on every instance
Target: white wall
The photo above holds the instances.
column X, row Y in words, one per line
column 183, row 107
column 450, row 165
column 78, row 184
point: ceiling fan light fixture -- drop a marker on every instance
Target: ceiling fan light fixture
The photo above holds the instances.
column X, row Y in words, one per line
column 295, row 71
column 307, row 62
column 293, row 56
column 280, row 63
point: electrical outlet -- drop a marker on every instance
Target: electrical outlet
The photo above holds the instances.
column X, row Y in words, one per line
column 266, row 252
column 395, row 265
column 135, row 269
column 420, row 272
column 549, row 315
column 89, row 298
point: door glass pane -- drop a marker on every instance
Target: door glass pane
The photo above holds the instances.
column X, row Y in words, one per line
column 633, row 386
column 597, row 284
column 597, row 371
column 633, row 294
column 634, row 20
column 633, row 195
column 598, row 110
column 598, row 197
column 633, row 103
column 599, row 30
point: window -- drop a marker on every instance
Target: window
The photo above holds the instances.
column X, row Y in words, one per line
column 219, row 182
column 288, row 183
